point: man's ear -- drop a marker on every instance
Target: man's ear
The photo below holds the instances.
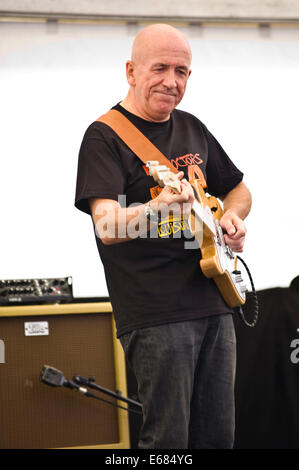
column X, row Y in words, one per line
column 130, row 69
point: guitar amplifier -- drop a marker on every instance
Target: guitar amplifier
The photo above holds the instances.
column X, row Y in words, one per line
column 35, row 291
column 78, row 339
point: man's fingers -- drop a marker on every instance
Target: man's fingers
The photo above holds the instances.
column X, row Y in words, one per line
column 234, row 231
column 230, row 229
column 187, row 191
column 234, row 227
column 235, row 245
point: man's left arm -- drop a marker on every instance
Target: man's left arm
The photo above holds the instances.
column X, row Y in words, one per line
column 236, row 205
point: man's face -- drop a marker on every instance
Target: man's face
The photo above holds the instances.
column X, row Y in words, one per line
column 158, row 79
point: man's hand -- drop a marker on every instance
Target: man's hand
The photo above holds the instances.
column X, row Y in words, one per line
column 236, row 204
column 168, row 199
column 115, row 224
column 234, row 231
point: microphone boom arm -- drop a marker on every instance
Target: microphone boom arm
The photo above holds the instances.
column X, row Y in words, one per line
column 90, row 382
column 55, row 378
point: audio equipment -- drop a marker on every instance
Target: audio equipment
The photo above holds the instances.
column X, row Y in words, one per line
column 78, row 338
column 35, row 291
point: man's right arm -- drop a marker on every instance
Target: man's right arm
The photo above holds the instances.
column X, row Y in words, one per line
column 116, row 224
column 112, row 221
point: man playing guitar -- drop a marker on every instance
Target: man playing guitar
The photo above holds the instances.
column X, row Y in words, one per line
column 174, row 325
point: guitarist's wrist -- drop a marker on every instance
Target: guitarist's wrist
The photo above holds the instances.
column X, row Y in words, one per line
column 151, row 212
column 231, row 213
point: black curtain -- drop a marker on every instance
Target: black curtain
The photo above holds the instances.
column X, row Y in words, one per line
column 267, row 379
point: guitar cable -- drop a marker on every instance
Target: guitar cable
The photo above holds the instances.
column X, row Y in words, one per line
column 255, row 300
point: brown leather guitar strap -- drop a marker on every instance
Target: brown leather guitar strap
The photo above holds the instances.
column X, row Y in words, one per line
column 134, row 139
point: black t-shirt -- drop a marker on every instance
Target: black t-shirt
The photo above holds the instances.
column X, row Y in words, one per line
column 154, row 280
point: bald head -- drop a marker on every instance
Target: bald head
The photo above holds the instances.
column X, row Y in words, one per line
column 158, row 36
column 157, row 72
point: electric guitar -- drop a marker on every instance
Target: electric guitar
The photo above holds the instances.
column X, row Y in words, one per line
column 217, row 261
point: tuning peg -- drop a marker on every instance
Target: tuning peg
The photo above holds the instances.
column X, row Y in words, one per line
column 150, row 163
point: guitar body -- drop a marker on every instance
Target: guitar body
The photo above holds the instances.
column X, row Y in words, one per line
column 218, row 261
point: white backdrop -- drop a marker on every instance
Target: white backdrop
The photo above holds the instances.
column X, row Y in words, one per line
column 54, row 81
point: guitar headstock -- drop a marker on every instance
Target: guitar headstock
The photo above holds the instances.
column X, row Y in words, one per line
column 163, row 176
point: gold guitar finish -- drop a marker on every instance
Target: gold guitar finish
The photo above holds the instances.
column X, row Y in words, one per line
column 210, row 265
column 217, row 260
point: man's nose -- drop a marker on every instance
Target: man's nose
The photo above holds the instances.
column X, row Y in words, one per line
column 169, row 79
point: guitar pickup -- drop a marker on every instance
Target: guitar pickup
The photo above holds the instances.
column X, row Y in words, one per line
column 238, row 278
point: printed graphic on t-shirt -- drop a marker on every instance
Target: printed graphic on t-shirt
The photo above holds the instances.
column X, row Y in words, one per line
column 192, row 162
column 173, row 226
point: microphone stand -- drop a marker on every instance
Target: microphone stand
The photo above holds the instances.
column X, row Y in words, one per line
column 90, row 382
column 55, row 378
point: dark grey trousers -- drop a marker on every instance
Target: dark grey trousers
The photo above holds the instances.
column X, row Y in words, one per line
column 185, row 373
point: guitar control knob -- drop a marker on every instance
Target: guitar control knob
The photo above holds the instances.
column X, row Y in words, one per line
column 243, row 289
